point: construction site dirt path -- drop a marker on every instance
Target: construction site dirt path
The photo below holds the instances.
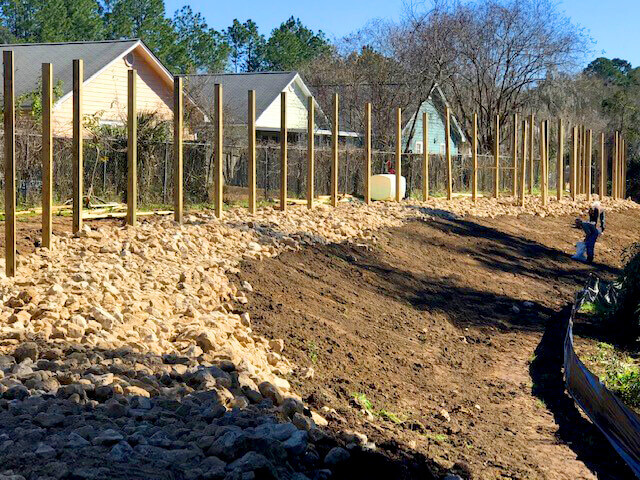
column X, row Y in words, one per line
column 447, row 332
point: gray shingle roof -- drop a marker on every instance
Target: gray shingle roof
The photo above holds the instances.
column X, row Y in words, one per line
column 235, row 86
column 28, row 60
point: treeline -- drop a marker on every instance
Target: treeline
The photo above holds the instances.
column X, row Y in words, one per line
column 184, row 42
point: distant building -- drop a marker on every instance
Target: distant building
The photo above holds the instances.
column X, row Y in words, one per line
column 434, row 106
column 268, row 87
column 106, row 64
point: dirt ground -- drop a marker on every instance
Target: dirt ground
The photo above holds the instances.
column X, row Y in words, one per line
column 430, row 324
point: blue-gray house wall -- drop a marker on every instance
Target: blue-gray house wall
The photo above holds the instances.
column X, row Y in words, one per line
column 437, row 133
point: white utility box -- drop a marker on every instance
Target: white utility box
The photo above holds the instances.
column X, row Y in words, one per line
column 383, row 187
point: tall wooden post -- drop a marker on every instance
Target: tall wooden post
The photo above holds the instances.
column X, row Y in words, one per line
column 532, row 137
column 624, row 169
column 47, row 154
column 9, row 164
column 589, row 163
column 132, row 149
column 514, row 153
column 579, row 161
column 523, row 170
column 398, row 153
column 284, row 133
column 78, row 154
column 367, row 153
column 573, row 165
column 585, row 145
column 219, row 136
column 335, row 145
column 602, row 191
column 474, row 155
column 177, row 149
column 614, row 168
column 543, row 162
column 251, row 144
column 496, row 157
column 448, row 153
column 560, row 162
column 310, row 151
column 425, row 156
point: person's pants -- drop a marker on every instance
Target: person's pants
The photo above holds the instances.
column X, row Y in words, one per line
column 592, row 234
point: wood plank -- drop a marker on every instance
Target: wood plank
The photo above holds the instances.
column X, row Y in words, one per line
column 603, row 168
column 398, row 153
column 178, row 165
column 574, row 161
column 447, row 143
column 367, row 154
column 218, row 140
column 425, row 156
column 560, row 162
column 311, row 138
column 514, row 154
column 251, row 143
column 589, row 162
column 283, row 151
column 532, row 136
column 496, row 157
column 9, row 164
column 543, row 161
column 334, row 150
column 78, row 153
column 132, row 149
column 614, row 168
column 474, row 159
column 47, row 154
column 523, row 171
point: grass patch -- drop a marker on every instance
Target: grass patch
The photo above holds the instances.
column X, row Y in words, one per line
column 363, row 402
column 312, row 351
column 619, row 372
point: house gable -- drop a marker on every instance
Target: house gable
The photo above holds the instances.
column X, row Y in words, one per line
column 296, row 109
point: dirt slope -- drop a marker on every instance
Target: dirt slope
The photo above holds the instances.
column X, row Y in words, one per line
column 430, row 323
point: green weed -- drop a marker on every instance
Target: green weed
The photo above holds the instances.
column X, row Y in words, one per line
column 312, row 351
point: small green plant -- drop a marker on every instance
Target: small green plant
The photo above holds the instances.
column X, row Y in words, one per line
column 363, row 402
column 437, row 437
column 619, row 373
column 312, row 351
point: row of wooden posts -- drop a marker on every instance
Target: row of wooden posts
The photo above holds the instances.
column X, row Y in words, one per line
column 580, row 163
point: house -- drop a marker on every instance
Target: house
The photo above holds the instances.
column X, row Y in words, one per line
column 435, row 107
column 106, row 64
column 268, row 87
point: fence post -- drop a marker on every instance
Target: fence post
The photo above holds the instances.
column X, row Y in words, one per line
column 573, row 163
column 496, row 155
column 624, row 169
column 283, row 151
column 367, row 154
column 219, row 136
column 532, row 136
column 603, row 169
column 9, row 165
column 425, row 156
column 310, row 151
column 589, row 163
column 132, row 150
column 524, row 162
column 543, row 161
column 78, row 154
column 560, row 162
column 614, row 169
column 177, row 149
column 514, row 153
column 251, row 144
column 334, row 150
column 47, row 154
column 398, row 153
column 448, row 153
column 474, row 159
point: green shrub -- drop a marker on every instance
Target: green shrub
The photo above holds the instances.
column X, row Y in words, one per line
column 627, row 312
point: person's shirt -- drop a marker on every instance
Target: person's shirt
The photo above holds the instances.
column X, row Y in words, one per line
column 595, row 215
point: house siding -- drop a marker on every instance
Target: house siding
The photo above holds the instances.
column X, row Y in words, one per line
column 437, row 135
column 296, row 111
column 107, row 94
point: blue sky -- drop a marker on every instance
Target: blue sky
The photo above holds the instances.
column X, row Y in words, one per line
column 612, row 24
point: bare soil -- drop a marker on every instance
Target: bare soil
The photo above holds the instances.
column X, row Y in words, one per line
column 429, row 321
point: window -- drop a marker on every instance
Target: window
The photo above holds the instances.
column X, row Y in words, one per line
column 418, row 147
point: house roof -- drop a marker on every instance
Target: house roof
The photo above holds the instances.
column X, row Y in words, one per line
column 29, row 57
column 268, row 86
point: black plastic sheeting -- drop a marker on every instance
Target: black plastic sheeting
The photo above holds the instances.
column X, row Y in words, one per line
column 616, row 421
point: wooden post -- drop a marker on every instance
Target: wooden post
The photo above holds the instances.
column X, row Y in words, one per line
column 47, row 154
column 78, row 154
column 523, row 170
column 584, row 160
column 177, row 149
column 532, row 137
column 624, row 169
column 448, row 153
column 474, row 154
column 543, row 161
column 335, row 145
column 425, row 156
column 367, row 154
column 603, row 169
column 310, row 151
column 132, row 150
column 589, row 162
column 9, row 165
column 283, row 151
column 514, row 153
column 496, row 156
column 218, row 140
column 560, row 162
column 573, row 164
column 614, row 168
column 398, row 153
column 251, row 144
column 579, row 161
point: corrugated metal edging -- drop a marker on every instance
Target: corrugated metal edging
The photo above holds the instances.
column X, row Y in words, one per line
column 616, row 421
